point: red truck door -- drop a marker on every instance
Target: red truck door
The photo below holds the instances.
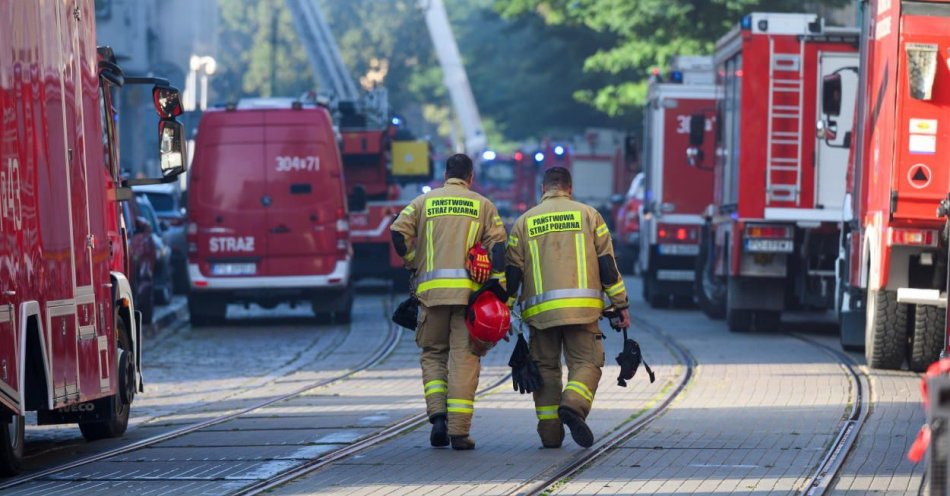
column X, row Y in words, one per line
column 304, row 185
column 230, row 184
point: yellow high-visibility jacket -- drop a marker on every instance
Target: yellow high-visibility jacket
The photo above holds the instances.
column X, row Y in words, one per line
column 556, row 245
column 440, row 227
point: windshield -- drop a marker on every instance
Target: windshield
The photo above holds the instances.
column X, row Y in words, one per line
column 161, row 202
column 498, row 174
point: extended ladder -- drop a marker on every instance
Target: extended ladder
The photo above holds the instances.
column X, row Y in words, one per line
column 783, row 173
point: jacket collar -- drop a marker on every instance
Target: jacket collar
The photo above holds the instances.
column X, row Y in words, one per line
column 457, row 182
column 555, row 194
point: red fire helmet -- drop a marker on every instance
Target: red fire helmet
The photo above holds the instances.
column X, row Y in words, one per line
column 487, row 317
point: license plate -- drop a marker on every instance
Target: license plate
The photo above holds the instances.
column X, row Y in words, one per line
column 769, row 245
column 234, row 269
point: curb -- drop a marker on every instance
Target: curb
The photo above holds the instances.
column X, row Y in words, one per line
column 171, row 316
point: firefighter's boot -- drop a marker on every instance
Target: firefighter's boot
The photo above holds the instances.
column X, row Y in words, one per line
column 440, row 431
column 580, row 432
column 463, row 443
column 551, row 432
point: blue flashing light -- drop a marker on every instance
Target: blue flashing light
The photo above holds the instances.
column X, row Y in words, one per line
column 559, row 150
column 489, row 155
column 676, row 76
column 396, row 121
column 746, row 22
column 539, row 157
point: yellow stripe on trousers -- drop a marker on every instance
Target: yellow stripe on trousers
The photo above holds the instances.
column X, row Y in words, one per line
column 456, row 405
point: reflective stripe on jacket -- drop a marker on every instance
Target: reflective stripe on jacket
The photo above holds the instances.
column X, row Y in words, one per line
column 556, row 245
column 440, row 227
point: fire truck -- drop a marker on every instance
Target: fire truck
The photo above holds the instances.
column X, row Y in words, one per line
column 676, row 191
column 771, row 237
column 892, row 274
column 510, row 181
column 70, row 336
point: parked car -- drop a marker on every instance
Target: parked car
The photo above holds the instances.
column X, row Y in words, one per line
column 162, row 286
column 166, row 199
column 627, row 226
column 143, row 254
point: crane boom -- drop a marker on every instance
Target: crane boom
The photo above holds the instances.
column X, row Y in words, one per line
column 321, row 48
column 455, row 77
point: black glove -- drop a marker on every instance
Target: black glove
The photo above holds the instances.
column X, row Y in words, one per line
column 407, row 313
column 629, row 360
column 525, row 376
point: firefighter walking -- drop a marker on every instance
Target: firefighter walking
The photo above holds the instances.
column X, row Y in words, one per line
column 562, row 253
column 449, row 238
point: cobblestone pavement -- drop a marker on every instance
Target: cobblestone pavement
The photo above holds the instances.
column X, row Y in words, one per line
column 192, row 374
column 756, row 419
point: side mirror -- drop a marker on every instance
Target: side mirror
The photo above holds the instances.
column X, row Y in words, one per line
column 616, row 199
column 167, row 100
column 357, row 199
column 831, row 95
column 697, row 130
column 826, row 130
column 695, row 156
column 171, row 147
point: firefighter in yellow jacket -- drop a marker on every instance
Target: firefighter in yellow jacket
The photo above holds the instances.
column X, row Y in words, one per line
column 561, row 251
column 435, row 235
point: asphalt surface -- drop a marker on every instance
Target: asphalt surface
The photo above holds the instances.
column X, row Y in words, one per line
column 757, row 417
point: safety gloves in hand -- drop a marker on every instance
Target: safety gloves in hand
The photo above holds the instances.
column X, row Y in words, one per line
column 629, row 360
column 478, row 264
column 525, row 376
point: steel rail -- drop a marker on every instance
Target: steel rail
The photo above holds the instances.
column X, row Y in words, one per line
column 370, row 441
column 820, row 480
column 543, row 483
column 386, row 349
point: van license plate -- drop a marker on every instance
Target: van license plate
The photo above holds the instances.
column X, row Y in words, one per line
column 234, row 269
column 769, row 245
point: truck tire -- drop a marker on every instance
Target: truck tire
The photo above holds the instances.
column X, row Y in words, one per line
column 650, row 293
column 768, row 320
column 11, row 445
column 146, row 305
column 928, row 339
column 345, row 316
column 710, row 296
column 206, row 310
column 121, row 401
column 180, row 276
column 885, row 339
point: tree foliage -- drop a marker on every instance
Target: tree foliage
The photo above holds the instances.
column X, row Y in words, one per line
column 648, row 33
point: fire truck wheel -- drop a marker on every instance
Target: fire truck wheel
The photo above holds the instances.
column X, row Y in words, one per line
column 928, row 339
column 767, row 320
column 710, row 295
column 11, row 445
column 206, row 310
column 885, row 338
column 650, row 294
column 122, row 401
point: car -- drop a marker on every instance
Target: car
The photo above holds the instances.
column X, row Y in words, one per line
column 162, row 284
column 142, row 258
column 267, row 213
column 167, row 200
column 627, row 225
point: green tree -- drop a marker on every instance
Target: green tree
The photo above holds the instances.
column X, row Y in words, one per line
column 648, row 33
column 249, row 56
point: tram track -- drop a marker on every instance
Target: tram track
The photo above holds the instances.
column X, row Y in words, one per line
column 820, row 479
column 379, row 355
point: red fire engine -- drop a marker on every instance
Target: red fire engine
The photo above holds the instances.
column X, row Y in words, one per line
column 676, row 193
column 510, row 181
column 70, row 343
column 892, row 269
column 772, row 234
column 375, row 159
